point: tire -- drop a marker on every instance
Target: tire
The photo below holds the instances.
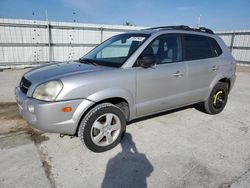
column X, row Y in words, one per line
column 217, row 99
column 102, row 127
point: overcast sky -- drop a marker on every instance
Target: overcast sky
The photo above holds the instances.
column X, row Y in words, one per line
column 216, row 14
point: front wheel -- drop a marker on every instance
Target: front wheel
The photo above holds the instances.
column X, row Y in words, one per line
column 102, row 127
column 217, row 99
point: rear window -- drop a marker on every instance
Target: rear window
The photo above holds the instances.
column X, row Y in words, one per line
column 216, row 49
column 196, row 47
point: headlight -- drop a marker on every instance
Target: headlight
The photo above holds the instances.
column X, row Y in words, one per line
column 48, row 91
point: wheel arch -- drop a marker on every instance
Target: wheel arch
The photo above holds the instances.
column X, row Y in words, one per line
column 121, row 100
column 226, row 80
column 114, row 96
column 220, row 78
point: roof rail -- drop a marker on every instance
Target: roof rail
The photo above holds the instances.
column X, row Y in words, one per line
column 182, row 27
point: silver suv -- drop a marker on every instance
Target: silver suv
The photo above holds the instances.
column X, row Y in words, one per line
column 128, row 76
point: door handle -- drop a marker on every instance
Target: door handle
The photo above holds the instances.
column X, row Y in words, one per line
column 179, row 73
column 215, row 67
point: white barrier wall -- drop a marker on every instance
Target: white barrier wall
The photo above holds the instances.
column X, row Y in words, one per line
column 239, row 43
column 29, row 42
column 24, row 42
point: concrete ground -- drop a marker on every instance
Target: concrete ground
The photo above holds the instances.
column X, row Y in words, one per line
column 182, row 148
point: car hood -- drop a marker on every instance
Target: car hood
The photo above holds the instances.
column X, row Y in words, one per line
column 58, row 70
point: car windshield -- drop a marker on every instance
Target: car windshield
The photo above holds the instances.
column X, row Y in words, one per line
column 114, row 51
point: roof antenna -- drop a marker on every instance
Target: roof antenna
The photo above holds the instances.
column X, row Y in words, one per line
column 199, row 21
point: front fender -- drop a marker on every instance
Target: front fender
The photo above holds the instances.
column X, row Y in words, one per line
column 114, row 93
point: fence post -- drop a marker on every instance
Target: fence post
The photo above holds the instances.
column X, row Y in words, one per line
column 101, row 34
column 232, row 42
column 49, row 42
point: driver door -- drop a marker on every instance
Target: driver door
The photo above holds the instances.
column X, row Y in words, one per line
column 163, row 86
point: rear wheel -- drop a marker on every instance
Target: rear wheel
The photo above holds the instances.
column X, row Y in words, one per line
column 217, row 99
column 102, row 127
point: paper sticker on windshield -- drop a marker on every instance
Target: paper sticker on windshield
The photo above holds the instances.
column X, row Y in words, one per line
column 139, row 39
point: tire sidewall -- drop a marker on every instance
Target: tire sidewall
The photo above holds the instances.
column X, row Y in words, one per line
column 84, row 131
column 218, row 86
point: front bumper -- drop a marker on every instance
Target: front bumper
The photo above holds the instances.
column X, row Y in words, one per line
column 48, row 116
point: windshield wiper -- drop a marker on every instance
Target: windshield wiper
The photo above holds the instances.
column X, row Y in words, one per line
column 88, row 61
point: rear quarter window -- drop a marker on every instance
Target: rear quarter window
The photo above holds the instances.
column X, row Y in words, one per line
column 216, row 49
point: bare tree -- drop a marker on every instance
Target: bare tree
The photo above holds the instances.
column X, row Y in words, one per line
column 127, row 23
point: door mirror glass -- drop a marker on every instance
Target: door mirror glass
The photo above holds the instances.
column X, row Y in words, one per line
column 147, row 61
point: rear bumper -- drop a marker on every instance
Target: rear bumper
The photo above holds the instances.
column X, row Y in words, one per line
column 232, row 81
column 48, row 116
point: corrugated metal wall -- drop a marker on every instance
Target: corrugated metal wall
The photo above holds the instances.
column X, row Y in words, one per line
column 31, row 42
column 239, row 43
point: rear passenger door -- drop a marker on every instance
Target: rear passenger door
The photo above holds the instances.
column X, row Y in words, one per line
column 202, row 65
column 163, row 86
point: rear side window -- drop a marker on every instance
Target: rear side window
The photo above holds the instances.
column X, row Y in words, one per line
column 216, row 49
column 196, row 47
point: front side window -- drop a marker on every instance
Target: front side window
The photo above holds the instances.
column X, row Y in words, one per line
column 165, row 49
column 115, row 51
column 196, row 47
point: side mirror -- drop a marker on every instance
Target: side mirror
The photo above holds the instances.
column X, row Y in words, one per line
column 147, row 61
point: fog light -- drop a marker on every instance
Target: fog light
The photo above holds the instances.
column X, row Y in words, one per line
column 31, row 108
column 66, row 109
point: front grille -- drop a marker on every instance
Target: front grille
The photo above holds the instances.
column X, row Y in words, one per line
column 24, row 85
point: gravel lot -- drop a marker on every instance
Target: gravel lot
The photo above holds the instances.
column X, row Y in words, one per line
column 181, row 148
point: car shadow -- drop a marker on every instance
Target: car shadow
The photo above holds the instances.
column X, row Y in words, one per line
column 129, row 168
